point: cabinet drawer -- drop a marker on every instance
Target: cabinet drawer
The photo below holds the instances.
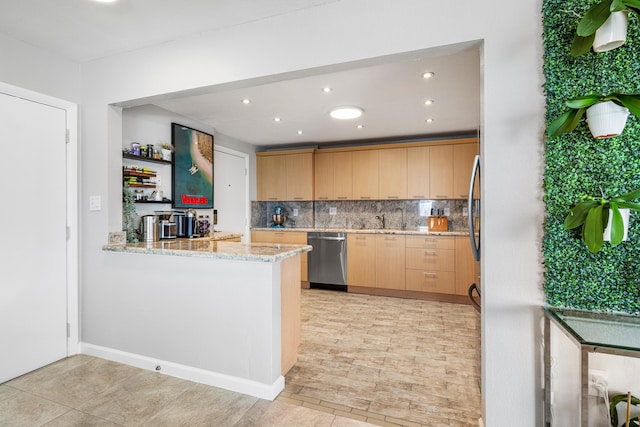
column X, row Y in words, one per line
column 431, row 259
column 442, row 282
column 430, row 242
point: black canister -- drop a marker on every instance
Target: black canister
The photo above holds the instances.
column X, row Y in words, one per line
column 180, row 219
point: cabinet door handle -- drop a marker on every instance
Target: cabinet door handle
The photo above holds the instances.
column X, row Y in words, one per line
column 360, row 238
column 420, row 196
column 323, row 198
column 341, row 198
column 440, row 196
column 434, row 253
column 429, row 274
column 365, row 197
column 393, row 197
column 298, row 198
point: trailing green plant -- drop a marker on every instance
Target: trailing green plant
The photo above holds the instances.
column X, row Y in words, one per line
column 129, row 215
column 593, row 215
column 594, row 18
column 569, row 120
column 613, row 411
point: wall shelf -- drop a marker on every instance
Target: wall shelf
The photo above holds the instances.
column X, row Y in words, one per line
column 146, row 159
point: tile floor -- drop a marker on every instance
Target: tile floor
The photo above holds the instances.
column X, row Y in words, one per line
column 364, row 360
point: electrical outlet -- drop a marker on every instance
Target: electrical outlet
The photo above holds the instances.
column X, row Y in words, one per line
column 333, row 211
column 295, row 212
column 597, row 377
column 95, row 203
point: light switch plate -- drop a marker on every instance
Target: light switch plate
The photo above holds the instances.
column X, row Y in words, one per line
column 95, row 203
column 295, row 212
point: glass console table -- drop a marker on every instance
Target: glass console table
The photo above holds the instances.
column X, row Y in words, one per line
column 593, row 333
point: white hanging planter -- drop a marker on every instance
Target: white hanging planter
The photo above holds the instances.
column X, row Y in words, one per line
column 625, row 220
column 166, row 154
column 613, row 33
column 606, row 119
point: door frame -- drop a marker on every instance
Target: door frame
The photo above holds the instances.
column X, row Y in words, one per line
column 247, row 206
column 71, row 109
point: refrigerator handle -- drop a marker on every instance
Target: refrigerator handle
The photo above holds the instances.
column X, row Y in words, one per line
column 475, row 246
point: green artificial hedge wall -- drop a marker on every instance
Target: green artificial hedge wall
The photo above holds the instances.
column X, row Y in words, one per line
column 578, row 164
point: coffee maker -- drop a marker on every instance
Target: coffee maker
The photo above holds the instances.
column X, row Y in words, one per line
column 185, row 223
column 166, row 227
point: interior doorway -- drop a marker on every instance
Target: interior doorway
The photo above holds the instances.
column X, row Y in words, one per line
column 35, row 312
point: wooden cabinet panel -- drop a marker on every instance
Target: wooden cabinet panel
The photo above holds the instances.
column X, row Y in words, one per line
column 299, row 173
column 463, row 156
column 361, row 256
column 343, row 175
column 392, row 178
column 431, row 259
column 441, row 282
column 418, row 173
column 324, row 176
column 467, row 269
column 365, row 174
column 430, row 242
column 390, row 262
column 441, row 172
column 284, row 237
column 273, row 180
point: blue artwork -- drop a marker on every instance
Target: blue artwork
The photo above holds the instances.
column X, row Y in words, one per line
column 192, row 168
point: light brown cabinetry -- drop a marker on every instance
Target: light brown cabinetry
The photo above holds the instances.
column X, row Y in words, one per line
column 392, row 173
column 390, row 262
column 299, row 182
column 441, row 172
column 365, row 174
column 334, row 176
column 463, row 156
column 431, row 264
column 467, row 269
column 284, row 237
column 324, row 167
column 361, row 257
column 418, row 172
column 285, row 176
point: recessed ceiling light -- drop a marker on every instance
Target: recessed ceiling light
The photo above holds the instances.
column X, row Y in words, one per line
column 346, row 112
column 360, row 126
column 428, row 102
column 326, row 89
column 246, row 101
column 105, row 1
column 299, row 132
column 428, row 75
column 429, row 120
column 276, row 119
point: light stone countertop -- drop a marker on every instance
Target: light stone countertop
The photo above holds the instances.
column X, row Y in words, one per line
column 215, row 249
column 415, row 232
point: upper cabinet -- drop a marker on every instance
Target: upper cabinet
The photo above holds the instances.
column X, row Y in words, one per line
column 441, row 172
column 418, row 172
column 285, row 176
column 392, row 173
column 463, row 157
column 365, row 174
column 414, row 170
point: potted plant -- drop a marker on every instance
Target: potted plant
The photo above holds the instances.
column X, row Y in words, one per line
column 604, row 26
column 167, row 149
column 593, row 214
column 606, row 114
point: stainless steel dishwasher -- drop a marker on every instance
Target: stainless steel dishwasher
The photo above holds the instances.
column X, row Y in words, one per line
column 327, row 265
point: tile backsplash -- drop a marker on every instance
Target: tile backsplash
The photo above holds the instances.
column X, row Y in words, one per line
column 361, row 213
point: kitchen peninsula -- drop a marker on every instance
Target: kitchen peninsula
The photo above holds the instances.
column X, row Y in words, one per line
column 221, row 313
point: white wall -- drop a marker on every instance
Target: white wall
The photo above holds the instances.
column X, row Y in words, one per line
column 349, row 31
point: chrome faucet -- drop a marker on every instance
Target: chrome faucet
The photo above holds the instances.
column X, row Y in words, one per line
column 381, row 219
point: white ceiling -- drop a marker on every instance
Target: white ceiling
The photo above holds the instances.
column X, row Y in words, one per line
column 391, row 90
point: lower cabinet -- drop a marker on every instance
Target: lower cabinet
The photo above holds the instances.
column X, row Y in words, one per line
column 390, row 262
column 416, row 266
column 431, row 264
column 284, row 237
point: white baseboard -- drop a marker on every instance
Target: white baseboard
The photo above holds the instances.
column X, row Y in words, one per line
column 227, row 382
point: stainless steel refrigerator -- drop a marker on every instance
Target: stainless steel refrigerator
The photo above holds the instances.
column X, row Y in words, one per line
column 473, row 214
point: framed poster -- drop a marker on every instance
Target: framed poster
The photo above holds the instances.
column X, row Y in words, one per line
column 192, row 169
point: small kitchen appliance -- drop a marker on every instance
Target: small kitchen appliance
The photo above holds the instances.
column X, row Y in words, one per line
column 278, row 217
column 148, row 230
column 166, row 227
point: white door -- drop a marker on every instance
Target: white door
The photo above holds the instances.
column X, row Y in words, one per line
column 33, row 265
column 230, row 191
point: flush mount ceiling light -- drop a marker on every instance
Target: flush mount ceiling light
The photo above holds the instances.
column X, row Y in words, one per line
column 105, row 1
column 346, row 112
column 428, row 75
